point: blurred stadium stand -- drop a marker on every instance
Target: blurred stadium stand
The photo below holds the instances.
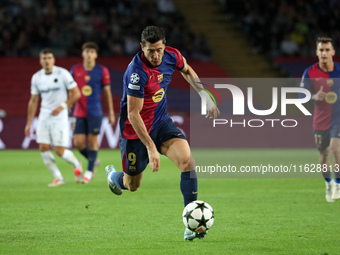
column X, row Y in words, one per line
column 285, row 31
column 29, row 25
column 230, row 47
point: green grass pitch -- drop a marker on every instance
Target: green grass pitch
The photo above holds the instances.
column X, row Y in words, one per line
column 252, row 215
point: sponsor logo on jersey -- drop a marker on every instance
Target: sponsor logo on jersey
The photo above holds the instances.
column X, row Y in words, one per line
column 86, row 90
column 331, row 97
column 134, row 87
column 160, row 78
column 134, row 78
column 48, row 90
column 158, row 96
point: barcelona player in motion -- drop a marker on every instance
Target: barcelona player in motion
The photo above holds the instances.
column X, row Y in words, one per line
column 92, row 79
column 146, row 128
column 322, row 80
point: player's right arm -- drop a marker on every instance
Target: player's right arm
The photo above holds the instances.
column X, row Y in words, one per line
column 192, row 78
column 134, row 107
column 32, row 109
column 307, row 84
column 320, row 95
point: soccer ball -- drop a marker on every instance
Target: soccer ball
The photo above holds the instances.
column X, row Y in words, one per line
column 198, row 216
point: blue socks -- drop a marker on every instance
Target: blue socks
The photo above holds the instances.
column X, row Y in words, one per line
column 85, row 152
column 189, row 186
column 117, row 178
column 92, row 156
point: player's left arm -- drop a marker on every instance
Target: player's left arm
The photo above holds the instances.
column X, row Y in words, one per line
column 192, row 78
column 109, row 101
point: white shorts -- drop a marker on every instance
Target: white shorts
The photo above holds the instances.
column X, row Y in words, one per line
column 53, row 130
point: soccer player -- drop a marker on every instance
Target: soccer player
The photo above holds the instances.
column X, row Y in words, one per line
column 92, row 79
column 146, row 128
column 58, row 92
column 321, row 80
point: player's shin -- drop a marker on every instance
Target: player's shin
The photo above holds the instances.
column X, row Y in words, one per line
column 69, row 157
column 189, row 186
column 49, row 161
column 85, row 152
column 92, row 156
column 327, row 176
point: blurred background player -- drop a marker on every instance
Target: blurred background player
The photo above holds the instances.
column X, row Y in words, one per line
column 58, row 91
column 321, row 79
column 92, row 79
column 146, row 128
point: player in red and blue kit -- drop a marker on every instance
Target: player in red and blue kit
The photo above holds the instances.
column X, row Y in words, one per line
column 321, row 79
column 146, row 128
column 92, row 80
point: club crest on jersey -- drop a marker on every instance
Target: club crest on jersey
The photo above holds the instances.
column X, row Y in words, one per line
column 158, row 96
column 330, row 82
column 160, row 78
column 86, row 90
column 134, row 78
column 87, row 77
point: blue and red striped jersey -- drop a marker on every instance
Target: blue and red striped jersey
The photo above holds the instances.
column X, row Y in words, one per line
column 150, row 83
column 326, row 112
column 90, row 84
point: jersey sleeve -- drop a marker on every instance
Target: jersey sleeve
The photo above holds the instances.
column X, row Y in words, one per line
column 34, row 88
column 68, row 80
column 180, row 60
column 135, row 81
column 106, row 80
column 72, row 71
column 306, row 83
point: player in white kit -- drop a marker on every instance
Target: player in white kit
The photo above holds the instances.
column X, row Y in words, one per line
column 58, row 91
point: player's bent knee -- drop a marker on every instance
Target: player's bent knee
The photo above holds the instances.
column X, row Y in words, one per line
column 132, row 187
column 185, row 164
column 79, row 145
column 335, row 150
column 59, row 151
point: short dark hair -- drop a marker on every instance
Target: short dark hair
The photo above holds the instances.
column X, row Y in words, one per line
column 324, row 40
column 46, row 51
column 90, row 45
column 152, row 34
